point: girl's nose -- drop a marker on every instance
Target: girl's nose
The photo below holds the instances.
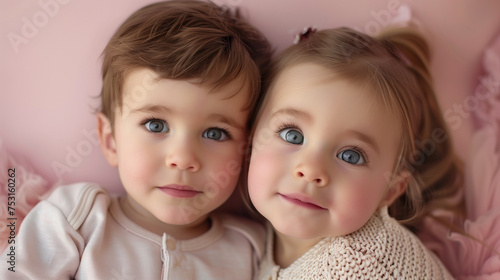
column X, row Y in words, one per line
column 312, row 170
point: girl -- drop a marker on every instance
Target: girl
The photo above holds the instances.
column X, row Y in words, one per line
column 350, row 144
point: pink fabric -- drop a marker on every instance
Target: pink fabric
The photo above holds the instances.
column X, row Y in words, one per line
column 30, row 188
column 466, row 258
column 455, row 48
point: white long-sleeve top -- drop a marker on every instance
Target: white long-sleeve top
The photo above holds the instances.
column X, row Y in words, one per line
column 80, row 232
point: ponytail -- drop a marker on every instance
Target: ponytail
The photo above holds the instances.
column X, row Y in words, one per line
column 436, row 172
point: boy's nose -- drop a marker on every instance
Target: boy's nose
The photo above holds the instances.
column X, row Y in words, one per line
column 183, row 157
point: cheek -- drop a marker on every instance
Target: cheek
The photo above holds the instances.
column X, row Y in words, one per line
column 227, row 159
column 263, row 173
column 353, row 209
column 222, row 168
column 363, row 194
column 137, row 161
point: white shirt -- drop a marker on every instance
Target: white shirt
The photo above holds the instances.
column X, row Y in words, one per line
column 80, row 232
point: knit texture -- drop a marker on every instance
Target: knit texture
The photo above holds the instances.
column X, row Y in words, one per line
column 381, row 249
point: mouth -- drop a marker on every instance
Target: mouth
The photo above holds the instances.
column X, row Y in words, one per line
column 180, row 191
column 302, row 201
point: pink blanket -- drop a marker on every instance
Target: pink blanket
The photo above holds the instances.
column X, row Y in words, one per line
column 465, row 257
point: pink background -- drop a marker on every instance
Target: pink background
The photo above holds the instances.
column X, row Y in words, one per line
column 50, row 66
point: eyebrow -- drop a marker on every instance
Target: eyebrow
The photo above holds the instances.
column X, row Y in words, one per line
column 225, row 119
column 292, row 112
column 365, row 138
column 152, row 109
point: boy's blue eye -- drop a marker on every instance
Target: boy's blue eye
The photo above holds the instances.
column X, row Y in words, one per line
column 292, row 136
column 156, row 126
column 351, row 156
column 216, row 134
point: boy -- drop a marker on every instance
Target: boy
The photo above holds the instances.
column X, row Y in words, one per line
column 180, row 79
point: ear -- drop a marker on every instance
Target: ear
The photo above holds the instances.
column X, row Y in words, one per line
column 396, row 188
column 107, row 139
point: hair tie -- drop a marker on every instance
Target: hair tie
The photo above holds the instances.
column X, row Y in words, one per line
column 397, row 53
column 308, row 31
column 404, row 58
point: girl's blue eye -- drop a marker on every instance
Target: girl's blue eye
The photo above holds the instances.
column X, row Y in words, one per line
column 156, row 126
column 292, row 136
column 351, row 156
column 216, row 134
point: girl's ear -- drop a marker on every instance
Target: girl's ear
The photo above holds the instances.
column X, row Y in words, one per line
column 106, row 139
column 396, row 188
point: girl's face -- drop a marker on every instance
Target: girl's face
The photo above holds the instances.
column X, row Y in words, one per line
column 323, row 153
column 178, row 146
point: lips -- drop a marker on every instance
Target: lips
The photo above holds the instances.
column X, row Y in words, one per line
column 180, row 191
column 302, row 201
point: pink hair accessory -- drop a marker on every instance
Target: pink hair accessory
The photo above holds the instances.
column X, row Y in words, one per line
column 304, row 34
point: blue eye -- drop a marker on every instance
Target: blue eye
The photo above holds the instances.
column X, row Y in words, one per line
column 216, row 134
column 352, row 157
column 292, row 136
column 156, row 126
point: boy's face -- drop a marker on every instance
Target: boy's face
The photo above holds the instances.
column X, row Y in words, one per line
column 322, row 154
column 178, row 146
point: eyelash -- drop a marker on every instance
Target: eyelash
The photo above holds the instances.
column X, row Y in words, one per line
column 151, row 118
column 355, row 148
column 358, row 150
column 148, row 119
column 225, row 130
column 286, row 126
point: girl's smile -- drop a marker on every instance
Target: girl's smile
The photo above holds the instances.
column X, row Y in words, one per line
column 302, row 201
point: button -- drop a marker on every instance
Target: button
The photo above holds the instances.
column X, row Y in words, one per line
column 171, row 244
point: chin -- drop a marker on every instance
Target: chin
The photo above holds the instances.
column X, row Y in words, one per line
column 297, row 231
column 180, row 218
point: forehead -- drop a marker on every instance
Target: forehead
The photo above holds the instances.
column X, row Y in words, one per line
column 312, row 82
column 144, row 84
column 327, row 98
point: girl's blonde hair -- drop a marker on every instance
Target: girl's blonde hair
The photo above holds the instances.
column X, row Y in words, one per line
column 395, row 64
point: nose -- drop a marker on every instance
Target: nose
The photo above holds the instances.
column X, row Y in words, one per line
column 183, row 156
column 312, row 170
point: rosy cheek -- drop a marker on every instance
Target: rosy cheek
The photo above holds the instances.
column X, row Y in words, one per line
column 262, row 172
column 358, row 202
column 138, row 162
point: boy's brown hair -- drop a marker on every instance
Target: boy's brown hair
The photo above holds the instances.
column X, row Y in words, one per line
column 184, row 40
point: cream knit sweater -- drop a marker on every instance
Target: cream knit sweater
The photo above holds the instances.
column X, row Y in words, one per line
column 381, row 249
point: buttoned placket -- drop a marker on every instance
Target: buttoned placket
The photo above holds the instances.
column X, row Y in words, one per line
column 168, row 246
column 165, row 258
